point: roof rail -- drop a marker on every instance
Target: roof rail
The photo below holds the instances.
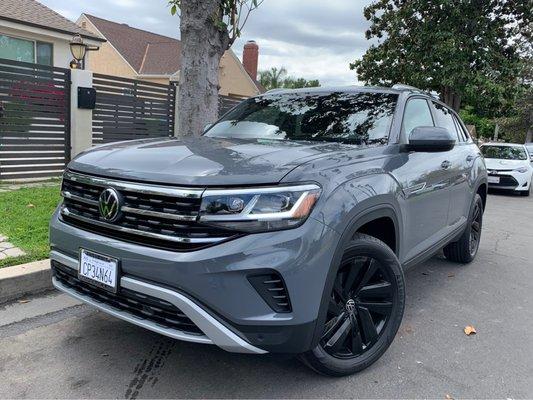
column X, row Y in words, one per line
column 400, row 86
column 275, row 90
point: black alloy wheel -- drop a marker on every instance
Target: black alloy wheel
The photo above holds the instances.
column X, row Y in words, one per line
column 465, row 249
column 363, row 310
column 475, row 229
column 359, row 308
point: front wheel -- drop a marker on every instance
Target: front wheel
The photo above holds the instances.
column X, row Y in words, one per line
column 365, row 309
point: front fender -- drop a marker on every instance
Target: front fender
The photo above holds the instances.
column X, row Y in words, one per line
column 355, row 198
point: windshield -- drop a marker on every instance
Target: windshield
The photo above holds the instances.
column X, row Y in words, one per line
column 359, row 118
column 504, row 152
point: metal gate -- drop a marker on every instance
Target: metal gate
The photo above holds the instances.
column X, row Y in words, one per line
column 226, row 103
column 128, row 109
column 34, row 120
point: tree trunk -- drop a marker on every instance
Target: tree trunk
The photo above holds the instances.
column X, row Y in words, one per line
column 529, row 134
column 202, row 47
column 451, row 98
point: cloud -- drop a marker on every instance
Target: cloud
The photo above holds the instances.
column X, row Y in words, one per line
column 311, row 38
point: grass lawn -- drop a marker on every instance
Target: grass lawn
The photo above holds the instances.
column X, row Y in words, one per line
column 24, row 217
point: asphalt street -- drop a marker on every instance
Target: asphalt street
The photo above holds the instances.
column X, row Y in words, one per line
column 53, row 347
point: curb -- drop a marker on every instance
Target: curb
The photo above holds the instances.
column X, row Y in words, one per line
column 25, row 279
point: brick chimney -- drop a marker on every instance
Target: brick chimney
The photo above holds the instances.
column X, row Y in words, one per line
column 250, row 58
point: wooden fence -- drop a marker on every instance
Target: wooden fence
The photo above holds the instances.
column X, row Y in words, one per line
column 226, row 103
column 35, row 116
column 34, row 120
column 128, row 109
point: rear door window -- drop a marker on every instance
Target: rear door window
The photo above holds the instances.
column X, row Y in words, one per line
column 417, row 113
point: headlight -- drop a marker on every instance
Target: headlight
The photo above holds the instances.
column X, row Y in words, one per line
column 259, row 209
column 522, row 170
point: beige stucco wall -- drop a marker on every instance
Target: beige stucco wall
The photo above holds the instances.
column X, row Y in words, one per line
column 106, row 60
column 233, row 79
column 163, row 81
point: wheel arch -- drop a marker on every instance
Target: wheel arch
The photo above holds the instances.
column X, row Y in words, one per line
column 482, row 189
column 360, row 220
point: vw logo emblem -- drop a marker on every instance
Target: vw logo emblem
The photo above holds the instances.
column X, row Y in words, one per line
column 109, row 204
column 350, row 306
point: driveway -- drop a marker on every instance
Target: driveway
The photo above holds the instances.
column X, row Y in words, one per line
column 53, row 347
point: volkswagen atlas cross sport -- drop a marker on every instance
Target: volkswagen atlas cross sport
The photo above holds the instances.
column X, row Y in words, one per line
column 509, row 167
column 285, row 228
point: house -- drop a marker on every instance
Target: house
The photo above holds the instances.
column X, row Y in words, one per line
column 135, row 53
column 32, row 32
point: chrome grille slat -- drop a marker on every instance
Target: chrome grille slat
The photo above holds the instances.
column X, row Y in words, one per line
column 65, row 211
column 71, row 196
column 155, row 215
column 136, row 187
column 149, row 213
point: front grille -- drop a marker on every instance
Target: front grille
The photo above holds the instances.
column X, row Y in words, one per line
column 139, row 305
column 271, row 288
column 157, row 216
column 505, row 181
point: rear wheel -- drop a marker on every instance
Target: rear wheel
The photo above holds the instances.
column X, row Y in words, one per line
column 465, row 249
column 365, row 309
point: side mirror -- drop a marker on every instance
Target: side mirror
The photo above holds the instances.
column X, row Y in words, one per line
column 207, row 127
column 431, row 139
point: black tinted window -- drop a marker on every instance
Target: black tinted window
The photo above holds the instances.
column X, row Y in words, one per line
column 360, row 118
column 416, row 114
column 445, row 119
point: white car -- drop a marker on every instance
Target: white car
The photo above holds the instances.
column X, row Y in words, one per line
column 509, row 167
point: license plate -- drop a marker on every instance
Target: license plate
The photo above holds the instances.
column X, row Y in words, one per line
column 98, row 270
column 493, row 179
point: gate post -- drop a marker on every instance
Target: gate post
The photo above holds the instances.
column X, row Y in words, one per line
column 176, row 111
column 81, row 120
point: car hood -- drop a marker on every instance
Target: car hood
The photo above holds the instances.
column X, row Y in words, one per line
column 201, row 161
column 505, row 165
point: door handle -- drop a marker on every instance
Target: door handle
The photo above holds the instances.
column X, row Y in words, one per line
column 470, row 158
column 446, row 164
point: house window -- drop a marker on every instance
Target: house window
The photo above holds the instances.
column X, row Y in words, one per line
column 44, row 53
column 31, row 51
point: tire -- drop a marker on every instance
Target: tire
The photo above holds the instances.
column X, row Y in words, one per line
column 376, row 298
column 464, row 250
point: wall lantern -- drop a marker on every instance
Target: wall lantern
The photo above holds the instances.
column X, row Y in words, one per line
column 79, row 49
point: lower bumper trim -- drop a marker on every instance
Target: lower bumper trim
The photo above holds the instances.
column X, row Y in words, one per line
column 215, row 332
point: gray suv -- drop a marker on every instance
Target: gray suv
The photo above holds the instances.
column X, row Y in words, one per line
column 285, row 228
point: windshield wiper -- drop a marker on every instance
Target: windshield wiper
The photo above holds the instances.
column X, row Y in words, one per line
column 327, row 139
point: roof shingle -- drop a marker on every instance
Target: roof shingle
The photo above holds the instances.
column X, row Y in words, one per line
column 148, row 53
column 33, row 13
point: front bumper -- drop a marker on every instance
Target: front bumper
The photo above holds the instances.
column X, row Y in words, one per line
column 211, row 285
column 214, row 331
column 511, row 180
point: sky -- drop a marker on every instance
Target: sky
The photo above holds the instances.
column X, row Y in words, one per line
column 313, row 39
